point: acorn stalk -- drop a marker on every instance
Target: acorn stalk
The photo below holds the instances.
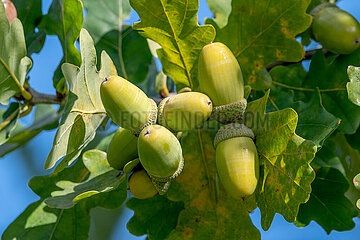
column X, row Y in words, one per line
column 141, row 186
column 122, row 148
column 237, row 160
column 160, row 154
column 126, row 104
column 185, row 111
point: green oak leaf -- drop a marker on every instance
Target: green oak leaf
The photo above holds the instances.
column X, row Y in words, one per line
column 38, row 221
column 155, row 217
column 263, row 32
column 102, row 178
column 173, row 25
column 357, row 186
column 29, row 12
column 285, row 157
column 14, row 64
column 327, row 204
column 315, row 123
column 8, row 121
column 35, row 42
column 292, row 75
column 331, row 74
column 84, row 111
column 46, row 118
column 64, row 19
column 353, row 87
column 105, row 16
column 136, row 56
column 221, row 9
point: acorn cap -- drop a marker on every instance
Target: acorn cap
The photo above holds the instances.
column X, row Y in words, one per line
column 161, row 118
column 122, row 148
column 160, row 152
column 185, row 111
column 229, row 112
column 320, row 7
column 141, row 186
column 219, row 74
column 232, row 130
column 126, row 104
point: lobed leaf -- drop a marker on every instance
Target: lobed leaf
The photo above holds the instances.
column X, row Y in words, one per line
column 14, row 64
column 331, row 74
column 84, row 111
column 102, row 178
column 38, row 221
column 285, row 157
column 327, row 204
column 263, row 32
column 173, row 25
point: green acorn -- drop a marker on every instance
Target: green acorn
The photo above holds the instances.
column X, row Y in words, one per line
column 237, row 160
column 122, row 148
column 220, row 77
column 160, row 154
column 141, row 186
column 335, row 29
column 126, row 104
column 185, row 111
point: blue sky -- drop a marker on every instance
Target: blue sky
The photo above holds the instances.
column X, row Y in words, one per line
column 17, row 168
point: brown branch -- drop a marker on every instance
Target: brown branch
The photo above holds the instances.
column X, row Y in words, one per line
column 41, row 98
column 308, row 56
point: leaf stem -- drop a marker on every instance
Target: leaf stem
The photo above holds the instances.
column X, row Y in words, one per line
column 307, row 89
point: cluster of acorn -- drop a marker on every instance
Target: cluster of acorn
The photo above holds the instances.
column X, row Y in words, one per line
column 146, row 134
column 145, row 142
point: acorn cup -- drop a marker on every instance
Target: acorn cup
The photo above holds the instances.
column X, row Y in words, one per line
column 220, row 77
column 141, row 186
column 184, row 111
column 335, row 29
column 122, row 148
column 160, row 154
column 237, row 160
column 127, row 105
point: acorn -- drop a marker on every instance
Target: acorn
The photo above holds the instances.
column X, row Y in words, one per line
column 220, row 77
column 122, row 148
column 127, row 105
column 160, row 154
column 335, row 29
column 184, row 111
column 237, row 160
column 141, row 186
